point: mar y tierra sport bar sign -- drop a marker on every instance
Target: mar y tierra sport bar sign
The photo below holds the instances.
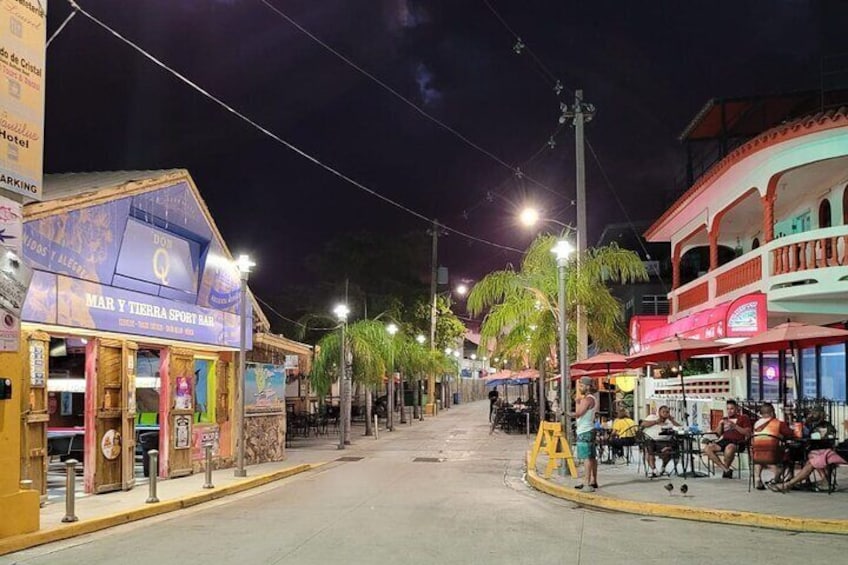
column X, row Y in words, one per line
column 64, row 301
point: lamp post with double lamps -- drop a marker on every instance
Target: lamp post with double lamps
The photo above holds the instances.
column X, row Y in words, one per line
column 563, row 250
column 341, row 311
column 392, row 329
column 244, row 265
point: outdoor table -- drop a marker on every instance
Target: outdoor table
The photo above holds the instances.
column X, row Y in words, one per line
column 687, row 440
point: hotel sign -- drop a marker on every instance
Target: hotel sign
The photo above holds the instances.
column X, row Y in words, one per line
column 23, row 36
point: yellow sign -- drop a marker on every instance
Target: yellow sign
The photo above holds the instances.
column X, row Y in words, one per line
column 625, row 383
column 551, row 440
column 23, row 36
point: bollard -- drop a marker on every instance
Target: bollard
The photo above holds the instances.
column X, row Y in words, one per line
column 70, row 491
column 208, row 483
column 154, row 474
column 376, row 427
column 527, row 418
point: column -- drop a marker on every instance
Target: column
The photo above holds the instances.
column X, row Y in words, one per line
column 675, row 268
column 768, row 217
column 713, row 236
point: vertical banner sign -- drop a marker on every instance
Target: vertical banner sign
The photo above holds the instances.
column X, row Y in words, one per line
column 23, row 37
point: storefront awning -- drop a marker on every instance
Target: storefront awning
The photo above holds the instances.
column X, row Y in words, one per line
column 744, row 317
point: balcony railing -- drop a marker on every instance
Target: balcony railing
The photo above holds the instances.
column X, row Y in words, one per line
column 739, row 276
column 768, row 267
column 818, row 253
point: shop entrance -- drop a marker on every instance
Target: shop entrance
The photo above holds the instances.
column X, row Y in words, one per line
column 110, row 407
column 177, row 399
column 35, row 413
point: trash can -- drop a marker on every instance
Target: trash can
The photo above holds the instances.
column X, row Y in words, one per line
column 148, row 441
column 456, row 398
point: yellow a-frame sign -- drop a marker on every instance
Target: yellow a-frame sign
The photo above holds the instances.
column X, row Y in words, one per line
column 550, row 439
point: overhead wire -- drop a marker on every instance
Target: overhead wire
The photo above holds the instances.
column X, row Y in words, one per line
column 544, row 68
column 347, row 60
column 61, row 27
column 623, row 209
column 594, row 153
column 286, row 318
column 279, row 139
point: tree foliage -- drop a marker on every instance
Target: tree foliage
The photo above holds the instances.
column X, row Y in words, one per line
column 521, row 306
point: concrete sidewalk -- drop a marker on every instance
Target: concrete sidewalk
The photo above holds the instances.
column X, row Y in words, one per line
column 625, row 488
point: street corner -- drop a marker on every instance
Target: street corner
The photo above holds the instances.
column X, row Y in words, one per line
column 681, row 512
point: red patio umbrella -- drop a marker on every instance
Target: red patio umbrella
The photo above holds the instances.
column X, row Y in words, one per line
column 606, row 360
column 790, row 335
column 676, row 349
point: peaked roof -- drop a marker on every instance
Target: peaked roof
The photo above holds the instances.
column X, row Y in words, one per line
column 806, row 125
column 72, row 191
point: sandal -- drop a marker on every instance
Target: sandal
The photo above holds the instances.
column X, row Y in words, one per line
column 777, row 487
column 760, row 486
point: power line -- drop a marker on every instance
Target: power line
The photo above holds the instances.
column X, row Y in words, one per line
column 623, row 208
column 60, row 28
column 279, row 139
column 286, row 318
column 401, row 97
column 520, row 47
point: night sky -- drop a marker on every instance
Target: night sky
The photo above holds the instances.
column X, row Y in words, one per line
column 648, row 67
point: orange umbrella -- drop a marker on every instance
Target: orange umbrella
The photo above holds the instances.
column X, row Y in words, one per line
column 676, row 349
column 789, row 335
column 607, row 360
column 793, row 336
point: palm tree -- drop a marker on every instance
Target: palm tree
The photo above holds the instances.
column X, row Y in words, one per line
column 368, row 346
column 522, row 314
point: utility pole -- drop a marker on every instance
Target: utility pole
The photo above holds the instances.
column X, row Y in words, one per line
column 581, row 113
column 431, row 382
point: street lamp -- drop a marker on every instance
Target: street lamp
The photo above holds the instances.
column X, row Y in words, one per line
column 563, row 250
column 462, row 289
column 341, row 311
column 392, row 329
column 244, row 265
column 529, row 217
column 420, row 339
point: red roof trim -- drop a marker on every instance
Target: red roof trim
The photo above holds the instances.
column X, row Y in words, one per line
column 796, row 128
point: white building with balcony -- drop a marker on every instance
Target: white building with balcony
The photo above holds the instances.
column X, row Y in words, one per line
column 769, row 223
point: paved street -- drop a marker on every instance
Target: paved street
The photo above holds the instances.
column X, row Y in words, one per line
column 465, row 503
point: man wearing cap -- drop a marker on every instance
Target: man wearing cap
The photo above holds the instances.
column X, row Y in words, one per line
column 585, row 414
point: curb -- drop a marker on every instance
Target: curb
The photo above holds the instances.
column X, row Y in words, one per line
column 726, row 517
column 58, row 533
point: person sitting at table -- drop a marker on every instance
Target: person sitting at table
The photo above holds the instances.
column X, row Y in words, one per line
column 817, row 460
column 623, row 433
column 817, row 425
column 734, row 430
column 765, row 443
column 658, row 427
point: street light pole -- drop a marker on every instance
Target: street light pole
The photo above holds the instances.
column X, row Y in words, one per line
column 244, row 264
column 562, row 250
column 341, row 311
column 390, row 392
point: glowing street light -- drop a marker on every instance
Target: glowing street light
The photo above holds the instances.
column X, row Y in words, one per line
column 392, row 330
column 341, row 311
column 462, row 289
column 420, row 339
column 529, row 217
column 244, row 265
column 563, row 250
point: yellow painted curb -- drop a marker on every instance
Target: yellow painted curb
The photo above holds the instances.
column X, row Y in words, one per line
column 727, row 517
column 58, row 533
